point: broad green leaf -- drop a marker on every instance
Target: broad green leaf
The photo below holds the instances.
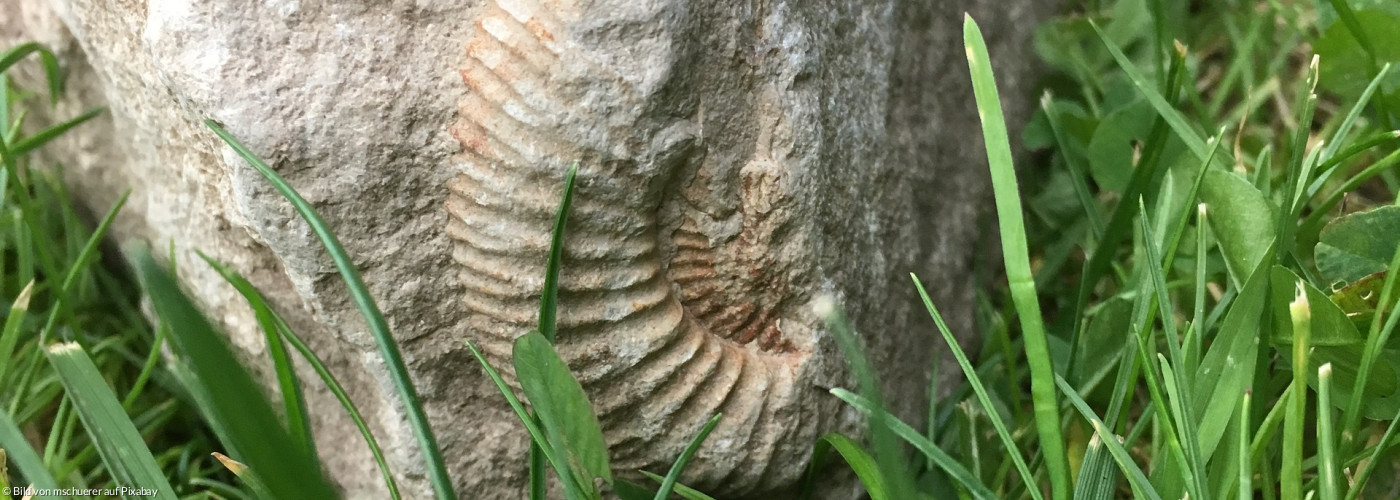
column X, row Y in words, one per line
column 562, row 407
column 1242, row 220
column 1118, row 140
column 1360, row 299
column 1345, row 67
column 1330, row 326
column 530, row 423
column 1335, row 339
column 1355, row 245
column 123, row 450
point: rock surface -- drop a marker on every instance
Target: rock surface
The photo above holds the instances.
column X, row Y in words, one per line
column 738, row 161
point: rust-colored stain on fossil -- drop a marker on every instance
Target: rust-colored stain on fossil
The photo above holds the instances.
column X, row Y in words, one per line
column 662, row 336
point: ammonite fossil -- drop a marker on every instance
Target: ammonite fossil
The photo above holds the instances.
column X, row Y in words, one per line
column 676, row 300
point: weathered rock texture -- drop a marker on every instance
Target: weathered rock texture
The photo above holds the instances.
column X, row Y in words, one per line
column 738, row 159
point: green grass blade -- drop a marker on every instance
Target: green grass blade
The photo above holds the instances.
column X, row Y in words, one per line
column 566, row 416
column 293, row 401
column 1246, row 473
column 537, row 435
column 235, row 401
column 248, row 476
column 887, row 450
column 549, row 304
column 9, row 336
column 1177, row 121
column 259, row 303
column 1330, row 150
column 1376, row 337
column 1142, row 488
column 42, row 137
column 24, row 456
column 80, row 263
column 1098, row 476
column 52, row 72
column 865, row 467
column 378, row 327
column 674, row 474
column 975, row 381
column 1291, row 474
column 1016, row 256
column 1329, row 486
column 1373, row 460
column 549, row 299
column 121, row 446
column 955, row 470
column 1077, row 171
column 684, row 491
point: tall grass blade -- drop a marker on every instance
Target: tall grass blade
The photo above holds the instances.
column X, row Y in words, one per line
column 284, row 332
column 42, row 137
column 975, row 381
column 549, row 304
column 886, row 448
column 1017, row 260
column 950, row 466
column 121, row 446
column 1098, row 476
column 674, row 475
column 247, row 420
column 1329, row 486
column 684, row 491
column 1246, row 473
column 378, row 327
column 1142, row 488
column 293, row 402
column 24, row 457
column 1174, row 118
column 52, row 72
column 9, row 336
column 549, row 299
column 1358, row 484
column 865, row 467
column 1291, row 474
column 247, row 475
column 1376, row 338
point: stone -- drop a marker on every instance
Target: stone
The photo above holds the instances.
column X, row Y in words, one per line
column 739, row 162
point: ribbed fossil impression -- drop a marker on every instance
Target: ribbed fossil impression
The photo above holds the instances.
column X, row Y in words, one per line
column 671, row 309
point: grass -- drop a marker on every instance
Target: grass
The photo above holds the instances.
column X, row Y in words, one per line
column 1196, row 299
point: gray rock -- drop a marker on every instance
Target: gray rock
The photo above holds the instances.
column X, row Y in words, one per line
column 739, row 161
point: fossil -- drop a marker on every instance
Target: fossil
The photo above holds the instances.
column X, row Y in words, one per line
column 669, row 314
